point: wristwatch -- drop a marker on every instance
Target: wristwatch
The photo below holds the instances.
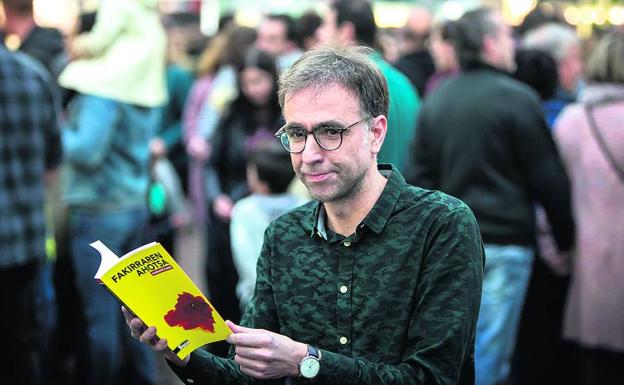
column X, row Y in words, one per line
column 310, row 365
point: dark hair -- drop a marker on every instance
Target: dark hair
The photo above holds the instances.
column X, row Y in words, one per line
column 86, row 21
column 472, row 28
column 448, row 30
column 360, row 14
column 289, row 24
column 238, row 39
column 538, row 69
column 21, row 7
column 538, row 17
column 306, row 27
column 255, row 58
column 273, row 165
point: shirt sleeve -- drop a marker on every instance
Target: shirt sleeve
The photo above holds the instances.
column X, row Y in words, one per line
column 439, row 347
column 110, row 21
column 546, row 176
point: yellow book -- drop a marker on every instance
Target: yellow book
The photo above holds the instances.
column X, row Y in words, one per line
column 150, row 284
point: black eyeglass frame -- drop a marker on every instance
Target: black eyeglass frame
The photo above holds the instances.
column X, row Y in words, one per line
column 341, row 130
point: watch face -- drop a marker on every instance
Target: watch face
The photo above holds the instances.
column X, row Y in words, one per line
column 309, row 367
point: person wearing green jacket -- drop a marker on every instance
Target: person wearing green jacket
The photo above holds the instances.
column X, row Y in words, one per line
column 350, row 21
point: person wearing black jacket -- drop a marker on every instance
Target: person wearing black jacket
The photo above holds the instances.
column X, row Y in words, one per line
column 482, row 138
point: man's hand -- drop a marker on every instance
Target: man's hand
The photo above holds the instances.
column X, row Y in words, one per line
column 147, row 335
column 266, row 355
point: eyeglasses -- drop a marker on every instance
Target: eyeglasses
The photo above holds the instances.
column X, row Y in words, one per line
column 327, row 136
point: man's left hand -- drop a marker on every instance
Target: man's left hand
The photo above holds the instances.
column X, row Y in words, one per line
column 266, row 355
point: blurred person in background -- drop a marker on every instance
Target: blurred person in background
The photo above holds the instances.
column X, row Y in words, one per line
column 21, row 32
column 537, row 69
column 167, row 150
column 305, row 27
column 277, row 35
column 482, row 138
column 541, row 355
column 212, row 91
column 118, row 73
column 443, row 53
column 252, row 117
column 224, row 87
column 269, row 174
column 591, row 140
column 415, row 61
column 353, row 22
column 563, row 44
column 29, row 152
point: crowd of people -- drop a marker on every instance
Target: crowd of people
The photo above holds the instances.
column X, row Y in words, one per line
column 434, row 204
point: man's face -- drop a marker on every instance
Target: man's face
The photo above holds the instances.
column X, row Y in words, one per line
column 328, row 30
column 570, row 68
column 272, row 37
column 502, row 50
column 331, row 176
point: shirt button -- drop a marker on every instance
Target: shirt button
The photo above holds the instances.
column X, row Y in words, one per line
column 343, row 340
column 346, row 243
column 343, row 289
column 190, row 381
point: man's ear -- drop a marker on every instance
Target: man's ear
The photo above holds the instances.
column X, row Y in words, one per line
column 377, row 133
column 346, row 32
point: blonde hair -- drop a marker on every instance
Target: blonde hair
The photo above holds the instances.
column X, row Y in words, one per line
column 606, row 62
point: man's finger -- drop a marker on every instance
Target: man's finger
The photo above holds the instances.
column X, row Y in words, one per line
column 252, row 340
column 241, row 329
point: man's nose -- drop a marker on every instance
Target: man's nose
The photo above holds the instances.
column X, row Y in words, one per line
column 312, row 152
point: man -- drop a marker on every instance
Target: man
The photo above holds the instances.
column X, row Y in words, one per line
column 353, row 22
column 416, row 62
column 483, row 139
column 564, row 45
column 22, row 33
column 373, row 282
column 277, row 35
column 29, row 151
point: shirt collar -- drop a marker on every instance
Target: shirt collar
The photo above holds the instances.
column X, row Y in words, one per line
column 379, row 215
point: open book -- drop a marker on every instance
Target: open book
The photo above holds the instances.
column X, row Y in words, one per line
column 151, row 285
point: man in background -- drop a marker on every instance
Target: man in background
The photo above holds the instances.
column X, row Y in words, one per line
column 277, row 35
column 416, row 62
column 353, row 22
column 482, row 138
column 29, row 151
column 562, row 43
column 22, row 33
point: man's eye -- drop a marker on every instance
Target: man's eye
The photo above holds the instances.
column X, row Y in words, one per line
column 296, row 134
column 329, row 131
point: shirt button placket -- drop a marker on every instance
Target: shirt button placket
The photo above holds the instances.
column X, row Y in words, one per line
column 346, row 257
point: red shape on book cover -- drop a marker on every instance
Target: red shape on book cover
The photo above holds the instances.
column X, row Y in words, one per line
column 191, row 312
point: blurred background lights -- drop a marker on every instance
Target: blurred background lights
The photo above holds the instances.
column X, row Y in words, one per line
column 515, row 10
column 452, row 10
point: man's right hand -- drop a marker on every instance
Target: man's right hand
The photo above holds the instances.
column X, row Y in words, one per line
column 147, row 335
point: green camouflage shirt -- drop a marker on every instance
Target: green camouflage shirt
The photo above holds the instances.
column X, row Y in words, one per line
column 394, row 303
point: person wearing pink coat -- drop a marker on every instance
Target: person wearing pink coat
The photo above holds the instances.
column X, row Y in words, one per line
column 590, row 136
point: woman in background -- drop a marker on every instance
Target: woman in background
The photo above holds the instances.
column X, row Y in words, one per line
column 590, row 135
column 251, row 118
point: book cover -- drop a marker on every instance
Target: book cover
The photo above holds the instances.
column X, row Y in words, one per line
column 150, row 284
